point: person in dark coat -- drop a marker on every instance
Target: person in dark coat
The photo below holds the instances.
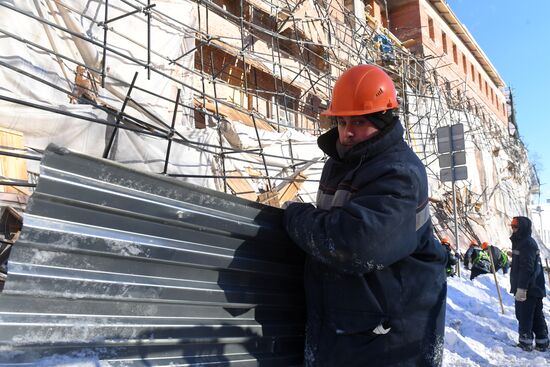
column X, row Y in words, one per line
column 527, row 286
column 471, row 254
column 481, row 264
column 375, row 274
column 499, row 257
column 452, row 258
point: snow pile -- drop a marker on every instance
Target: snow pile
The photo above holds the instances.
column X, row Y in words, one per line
column 477, row 333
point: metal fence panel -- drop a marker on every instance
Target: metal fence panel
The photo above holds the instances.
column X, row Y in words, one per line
column 125, row 268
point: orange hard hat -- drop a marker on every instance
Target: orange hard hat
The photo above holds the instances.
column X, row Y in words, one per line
column 515, row 222
column 361, row 90
column 473, row 243
column 445, row 240
column 484, row 245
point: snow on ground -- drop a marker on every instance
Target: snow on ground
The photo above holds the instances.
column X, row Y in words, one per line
column 477, row 333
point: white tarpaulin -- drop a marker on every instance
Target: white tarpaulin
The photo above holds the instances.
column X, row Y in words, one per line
column 40, row 52
column 52, row 38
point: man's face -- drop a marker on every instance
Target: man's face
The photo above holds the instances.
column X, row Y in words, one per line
column 353, row 130
column 515, row 228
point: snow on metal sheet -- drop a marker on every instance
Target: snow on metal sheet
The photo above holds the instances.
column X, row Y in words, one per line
column 117, row 267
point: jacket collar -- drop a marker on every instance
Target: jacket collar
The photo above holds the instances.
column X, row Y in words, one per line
column 367, row 149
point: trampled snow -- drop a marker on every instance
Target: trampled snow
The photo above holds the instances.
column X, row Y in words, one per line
column 477, row 333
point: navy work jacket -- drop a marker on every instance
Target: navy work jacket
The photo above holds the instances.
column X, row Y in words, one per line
column 527, row 272
column 375, row 275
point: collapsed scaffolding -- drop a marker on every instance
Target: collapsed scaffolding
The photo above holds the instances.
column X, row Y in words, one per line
column 231, row 95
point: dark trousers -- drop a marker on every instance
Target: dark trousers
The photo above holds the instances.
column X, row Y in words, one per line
column 531, row 321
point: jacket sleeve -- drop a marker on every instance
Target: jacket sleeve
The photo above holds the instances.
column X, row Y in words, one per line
column 527, row 264
column 374, row 229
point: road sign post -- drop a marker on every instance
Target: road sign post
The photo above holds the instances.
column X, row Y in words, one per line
column 452, row 164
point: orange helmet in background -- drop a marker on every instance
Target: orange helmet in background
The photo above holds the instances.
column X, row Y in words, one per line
column 473, row 243
column 445, row 240
column 484, row 245
column 361, row 90
column 514, row 223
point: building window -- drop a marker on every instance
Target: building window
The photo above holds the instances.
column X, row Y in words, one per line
column 431, row 28
column 486, row 89
column 464, row 65
column 444, row 41
column 455, row 55
column 349, row 14
column 472, row 73
column 480, row 82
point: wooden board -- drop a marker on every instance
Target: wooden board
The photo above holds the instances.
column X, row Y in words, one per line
column 240, row 186
column 12, row 168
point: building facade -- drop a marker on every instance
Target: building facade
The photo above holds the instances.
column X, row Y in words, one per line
column 433, row 31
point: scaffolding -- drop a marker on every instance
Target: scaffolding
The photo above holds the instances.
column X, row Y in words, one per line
column 231, row 94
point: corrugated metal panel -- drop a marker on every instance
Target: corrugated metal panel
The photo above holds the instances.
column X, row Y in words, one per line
column 126, row 268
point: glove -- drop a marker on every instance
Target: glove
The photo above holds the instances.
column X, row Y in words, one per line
column 521, row 295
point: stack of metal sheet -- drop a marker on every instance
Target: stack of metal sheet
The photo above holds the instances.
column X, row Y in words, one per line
column 118, row 267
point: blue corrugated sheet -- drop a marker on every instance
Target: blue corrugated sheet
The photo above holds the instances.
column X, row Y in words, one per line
column 117, row 267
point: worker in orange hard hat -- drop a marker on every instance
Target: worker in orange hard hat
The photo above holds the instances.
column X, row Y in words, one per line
column 452, row 257
column 363, row 100
column 499, row 257
column 471, row 254
column 375, row 275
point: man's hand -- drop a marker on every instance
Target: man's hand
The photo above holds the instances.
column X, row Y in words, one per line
column 521, row 295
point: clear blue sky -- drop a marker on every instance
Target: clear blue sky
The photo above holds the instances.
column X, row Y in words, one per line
column 515, row 35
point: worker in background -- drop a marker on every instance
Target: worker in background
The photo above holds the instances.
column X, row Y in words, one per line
column 375, row 274
column 499, row 257
column 471, row 254
column 504, row 262
column 527, row 286
column 481, row 264
column 452, row 258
